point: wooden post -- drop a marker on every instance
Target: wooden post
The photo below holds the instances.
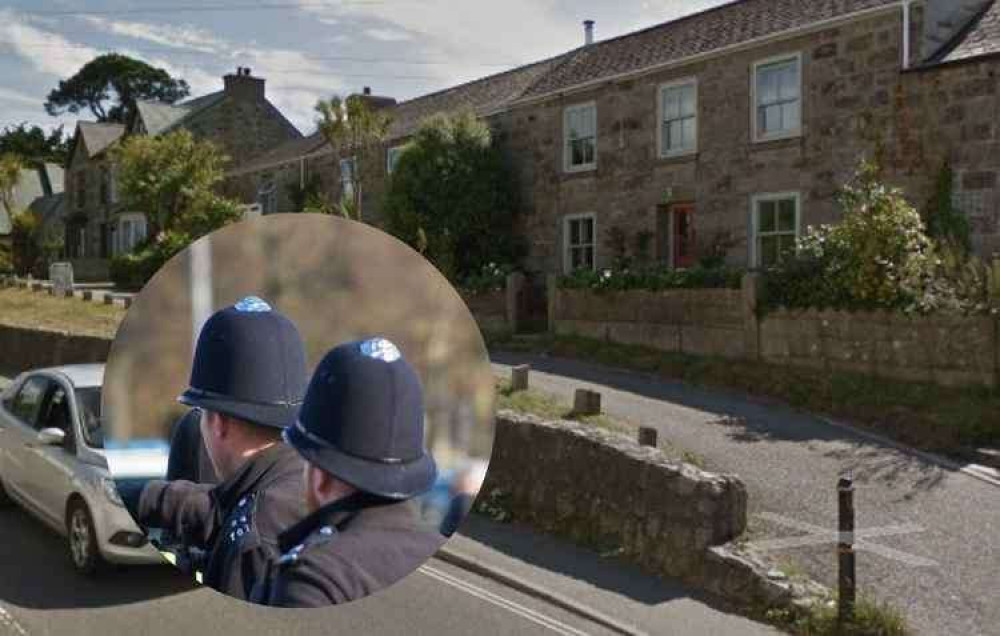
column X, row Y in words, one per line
column 846, row 580
column 586, row 402
column 519, row 377
column 647, row 436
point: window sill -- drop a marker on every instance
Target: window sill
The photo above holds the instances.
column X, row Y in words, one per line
column 580, row 169
column 679, row 157
column 789, row 136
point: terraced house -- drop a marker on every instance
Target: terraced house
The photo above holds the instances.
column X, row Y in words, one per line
column 730, row 129
column 238, row 118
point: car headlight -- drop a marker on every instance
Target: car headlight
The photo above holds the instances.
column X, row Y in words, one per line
column 111, row 491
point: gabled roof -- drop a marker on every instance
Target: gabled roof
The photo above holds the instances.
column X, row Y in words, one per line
column 481, row 96
column 979, row 39
column 50, row 209
column 728, row 25
column 161, row 117
column 97, row 137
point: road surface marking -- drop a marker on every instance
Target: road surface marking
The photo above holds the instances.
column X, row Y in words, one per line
column 9, row 621
column 526, row 612
column 820, row 536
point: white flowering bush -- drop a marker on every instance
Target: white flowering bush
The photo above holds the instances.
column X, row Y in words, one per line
column 491, row 277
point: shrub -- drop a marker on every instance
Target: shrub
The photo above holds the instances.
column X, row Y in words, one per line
column 133, row 270
column 878, row 257
column 654, row 279
column 26, row 252
column 491, row 277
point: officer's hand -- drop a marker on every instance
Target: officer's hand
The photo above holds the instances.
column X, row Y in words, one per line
column 130, row 492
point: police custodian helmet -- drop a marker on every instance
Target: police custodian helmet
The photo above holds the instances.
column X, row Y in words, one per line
column 362, row 421
column 250, row 364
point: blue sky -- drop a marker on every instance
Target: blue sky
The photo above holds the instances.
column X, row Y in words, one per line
column 305, row 49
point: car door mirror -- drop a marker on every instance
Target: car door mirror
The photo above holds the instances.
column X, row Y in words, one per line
column 51, row 436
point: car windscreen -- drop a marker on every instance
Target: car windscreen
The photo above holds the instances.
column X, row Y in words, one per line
column 88, row 400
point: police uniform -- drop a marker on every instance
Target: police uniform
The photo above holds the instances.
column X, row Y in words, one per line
column 249, row 364
column 362, row 421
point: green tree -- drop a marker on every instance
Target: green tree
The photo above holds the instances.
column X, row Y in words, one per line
column 451, row 197
column 945, row 222
column 171, row 178
column 11, row 166
column 109, row 86
column 34, row 145
column 354, row 130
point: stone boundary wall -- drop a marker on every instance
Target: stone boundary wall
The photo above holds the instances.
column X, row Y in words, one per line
column 693, row 321
column 488, row 308
column 23, row 348
column 944, row 350
column 601, row 488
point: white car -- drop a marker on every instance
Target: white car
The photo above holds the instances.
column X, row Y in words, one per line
column 54, row 464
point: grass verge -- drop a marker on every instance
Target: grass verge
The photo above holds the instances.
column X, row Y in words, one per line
column 871, row 618
column 929, row 417
column 547, row 406
column 38, row 310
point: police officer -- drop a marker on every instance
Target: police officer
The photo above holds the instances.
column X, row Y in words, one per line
column 361, row 432
column 248, row 379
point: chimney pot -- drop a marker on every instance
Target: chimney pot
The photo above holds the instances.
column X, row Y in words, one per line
column 368, row 90
column 588, row 31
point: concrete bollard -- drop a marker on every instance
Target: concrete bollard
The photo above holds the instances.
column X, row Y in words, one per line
column 586, row 402
column 88, row 295
column 647, row 436
column 519, row 377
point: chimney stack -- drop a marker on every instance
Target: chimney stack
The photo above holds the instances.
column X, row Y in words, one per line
column 367, row 90
column 244, row 86
column 588, row 32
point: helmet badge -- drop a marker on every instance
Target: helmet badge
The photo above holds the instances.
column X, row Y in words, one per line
column 380, row 349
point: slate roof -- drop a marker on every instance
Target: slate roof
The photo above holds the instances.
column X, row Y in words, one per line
column 51, row 209
column 97, row 137
column 160, row 117
column 33, row 184
column 727, row 25
column 480, row 96
column 980, row 38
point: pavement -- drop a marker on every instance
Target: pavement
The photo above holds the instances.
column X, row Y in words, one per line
column 931, row 531
column 41, row 595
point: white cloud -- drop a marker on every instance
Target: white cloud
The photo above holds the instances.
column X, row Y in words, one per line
column 45, row 51
column 179, row 37
column 16, row 97
column 388, row 35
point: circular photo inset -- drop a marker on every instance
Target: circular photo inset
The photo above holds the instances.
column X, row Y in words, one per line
column 297, row 412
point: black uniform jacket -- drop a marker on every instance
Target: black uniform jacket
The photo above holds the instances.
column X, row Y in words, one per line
column 346, row 551
column 237, row 521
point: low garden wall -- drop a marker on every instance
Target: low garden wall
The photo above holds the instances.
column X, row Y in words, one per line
column 601, row 488
column 488, row 308
column 23, row 348
column 945, row 350
column 694, row 321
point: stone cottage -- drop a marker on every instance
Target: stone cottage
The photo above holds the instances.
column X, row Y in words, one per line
column 239, row 119
column 730, row 129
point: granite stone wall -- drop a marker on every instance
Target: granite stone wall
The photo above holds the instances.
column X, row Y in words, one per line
column 603, row 488
column 943, row 350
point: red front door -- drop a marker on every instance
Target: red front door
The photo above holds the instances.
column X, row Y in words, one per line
column 683, row 235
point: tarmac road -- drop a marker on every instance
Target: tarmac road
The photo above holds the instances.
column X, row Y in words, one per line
column 941, row 570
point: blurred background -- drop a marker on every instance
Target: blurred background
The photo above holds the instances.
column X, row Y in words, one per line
column 339, row 281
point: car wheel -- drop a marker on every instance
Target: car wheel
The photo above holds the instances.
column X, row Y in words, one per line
column 83, row 550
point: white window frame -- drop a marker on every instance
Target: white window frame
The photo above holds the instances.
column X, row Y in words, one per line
column 662, row 152
column 566, row 220
column 347, row 185
column 388, row 157
column 567, row 148
column 755, row 201
column 755, row 107
column 137, row 229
